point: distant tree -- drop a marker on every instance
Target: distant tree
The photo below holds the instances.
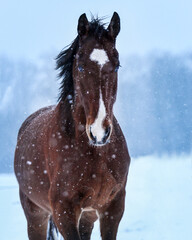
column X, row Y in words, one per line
column 171, row 81
column 24, row 87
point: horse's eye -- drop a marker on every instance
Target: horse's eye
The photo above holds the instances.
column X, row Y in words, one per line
column 117, row 68
column 80, row 68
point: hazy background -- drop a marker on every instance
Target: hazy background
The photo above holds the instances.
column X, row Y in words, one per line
column 154, row 104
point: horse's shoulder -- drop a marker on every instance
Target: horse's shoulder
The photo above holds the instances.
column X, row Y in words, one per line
column 33, row 116
column 117, row 129
column 118, row 139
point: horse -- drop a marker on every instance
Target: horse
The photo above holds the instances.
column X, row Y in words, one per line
column 71, row 159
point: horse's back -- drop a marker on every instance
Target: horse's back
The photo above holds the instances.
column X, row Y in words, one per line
column 30, row 164
column 45, row 112
column 32, row 135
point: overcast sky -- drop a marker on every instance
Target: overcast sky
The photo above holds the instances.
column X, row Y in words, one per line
column 29, row 28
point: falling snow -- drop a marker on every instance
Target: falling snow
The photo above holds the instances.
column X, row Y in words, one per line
column 158, row 202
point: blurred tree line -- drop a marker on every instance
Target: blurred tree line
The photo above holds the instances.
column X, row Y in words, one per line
column 154, row 104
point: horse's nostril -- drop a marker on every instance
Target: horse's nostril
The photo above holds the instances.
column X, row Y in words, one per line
column 108, row 130
column 94, row 139
column 107, row 133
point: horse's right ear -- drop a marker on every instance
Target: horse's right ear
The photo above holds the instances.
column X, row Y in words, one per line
column 83, row 25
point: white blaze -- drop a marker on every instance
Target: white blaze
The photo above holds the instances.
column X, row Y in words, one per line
column 97, row 127
column 99, row 56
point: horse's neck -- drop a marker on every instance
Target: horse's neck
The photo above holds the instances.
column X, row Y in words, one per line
column 71, row 118
column 64, row 117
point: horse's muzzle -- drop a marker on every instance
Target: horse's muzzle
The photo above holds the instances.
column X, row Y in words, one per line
column 99, row 138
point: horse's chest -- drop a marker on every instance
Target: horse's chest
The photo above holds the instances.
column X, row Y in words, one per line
column 88, row 177
column 105, row 189
column 93, row 184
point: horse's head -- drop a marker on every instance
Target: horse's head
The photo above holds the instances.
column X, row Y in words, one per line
column 95, row 76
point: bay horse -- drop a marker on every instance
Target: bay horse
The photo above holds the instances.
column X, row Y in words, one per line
column 71, row 160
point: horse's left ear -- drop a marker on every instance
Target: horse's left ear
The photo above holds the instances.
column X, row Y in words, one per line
column 114, row 26
column 83, row 25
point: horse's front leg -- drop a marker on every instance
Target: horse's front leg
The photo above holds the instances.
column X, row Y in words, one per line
column 111, row 216
column 65, row 217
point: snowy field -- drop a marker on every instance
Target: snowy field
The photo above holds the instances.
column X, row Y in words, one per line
column 158, row 202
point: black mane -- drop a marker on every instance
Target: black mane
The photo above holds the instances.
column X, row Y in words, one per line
column 64, row 61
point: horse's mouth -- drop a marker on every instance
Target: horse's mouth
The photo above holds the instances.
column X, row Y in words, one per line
column 98, row 144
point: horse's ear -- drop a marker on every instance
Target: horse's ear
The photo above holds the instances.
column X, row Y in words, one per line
column 83, row 25
column 114, row 26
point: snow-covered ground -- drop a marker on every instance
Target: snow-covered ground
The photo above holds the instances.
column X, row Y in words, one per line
column 158, row 202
